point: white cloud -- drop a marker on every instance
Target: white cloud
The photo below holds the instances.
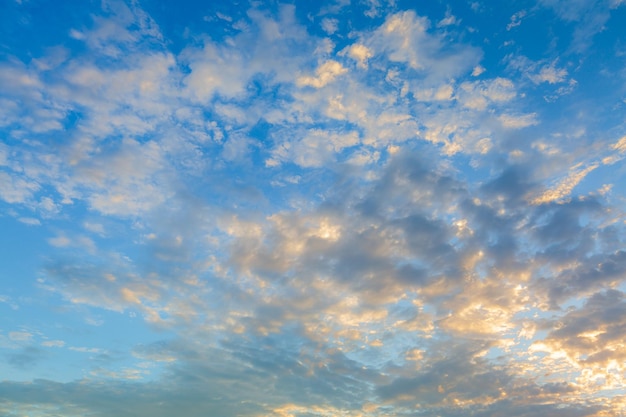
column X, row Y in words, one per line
column 620, row 147
column 22, row 85
column 478, row 69
column 540, row 72
column 449, row 20
column 564, row 187
column 442, row 93
column 478, row 95
column 30, row 221
column 518, row 121
column 125, row 181
column 375, row 7
column 268, row 44
column 15, row 189
column 404, row 38
column 325, row 73
column 60, row 241
column 123, row 30
column 364, row 157
column 208, row 77
column 53, row 343
column 236, row 147
column 315, row 149
column 94, row 227
column 360, row 54
column 516, row 19
column 329, row 25
column 549, row 74
column 20, row 336
column 222, row 16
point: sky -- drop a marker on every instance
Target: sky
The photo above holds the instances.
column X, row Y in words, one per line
column 313, row 208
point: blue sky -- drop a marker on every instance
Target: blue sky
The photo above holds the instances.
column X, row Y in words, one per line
column 343, row 208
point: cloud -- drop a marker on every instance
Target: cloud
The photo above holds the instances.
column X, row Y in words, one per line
column 549, row 74
column 478, row 95
column 325, row 73
column 360, row 54
column 375, row 7
column 479, row 69
column 20, row 336
column 516, row 19
column 620, row 147
column 317, row 148
column 589, row 336
column 330, row 25
column 404, row 38
column 266, row 42
column 15, row 189
column 53, row 343
column 449, row 20
column 517, row 122
column 542, row 72
column 122, row 180
column 565, row 186
column 292, row 226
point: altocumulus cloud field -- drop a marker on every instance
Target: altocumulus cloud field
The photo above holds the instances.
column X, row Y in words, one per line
column 342, row 208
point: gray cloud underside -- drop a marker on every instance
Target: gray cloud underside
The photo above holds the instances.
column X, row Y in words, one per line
column 305, row 307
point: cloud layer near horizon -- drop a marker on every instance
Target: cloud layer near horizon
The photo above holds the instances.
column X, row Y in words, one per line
column 284, row 210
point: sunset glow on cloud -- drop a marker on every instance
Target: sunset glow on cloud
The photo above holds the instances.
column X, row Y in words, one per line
column 338, row 208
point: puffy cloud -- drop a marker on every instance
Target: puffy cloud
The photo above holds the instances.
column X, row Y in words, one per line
column 404, row 38
column 550, row 75
column 325, row 73
column 481, row 93
column 15, row 189
column 360, row 54
column 317, row 148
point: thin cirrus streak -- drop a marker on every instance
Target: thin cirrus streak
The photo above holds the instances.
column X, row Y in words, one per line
column 340, row 208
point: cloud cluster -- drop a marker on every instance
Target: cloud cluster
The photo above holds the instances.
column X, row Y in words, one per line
column 296, row 220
